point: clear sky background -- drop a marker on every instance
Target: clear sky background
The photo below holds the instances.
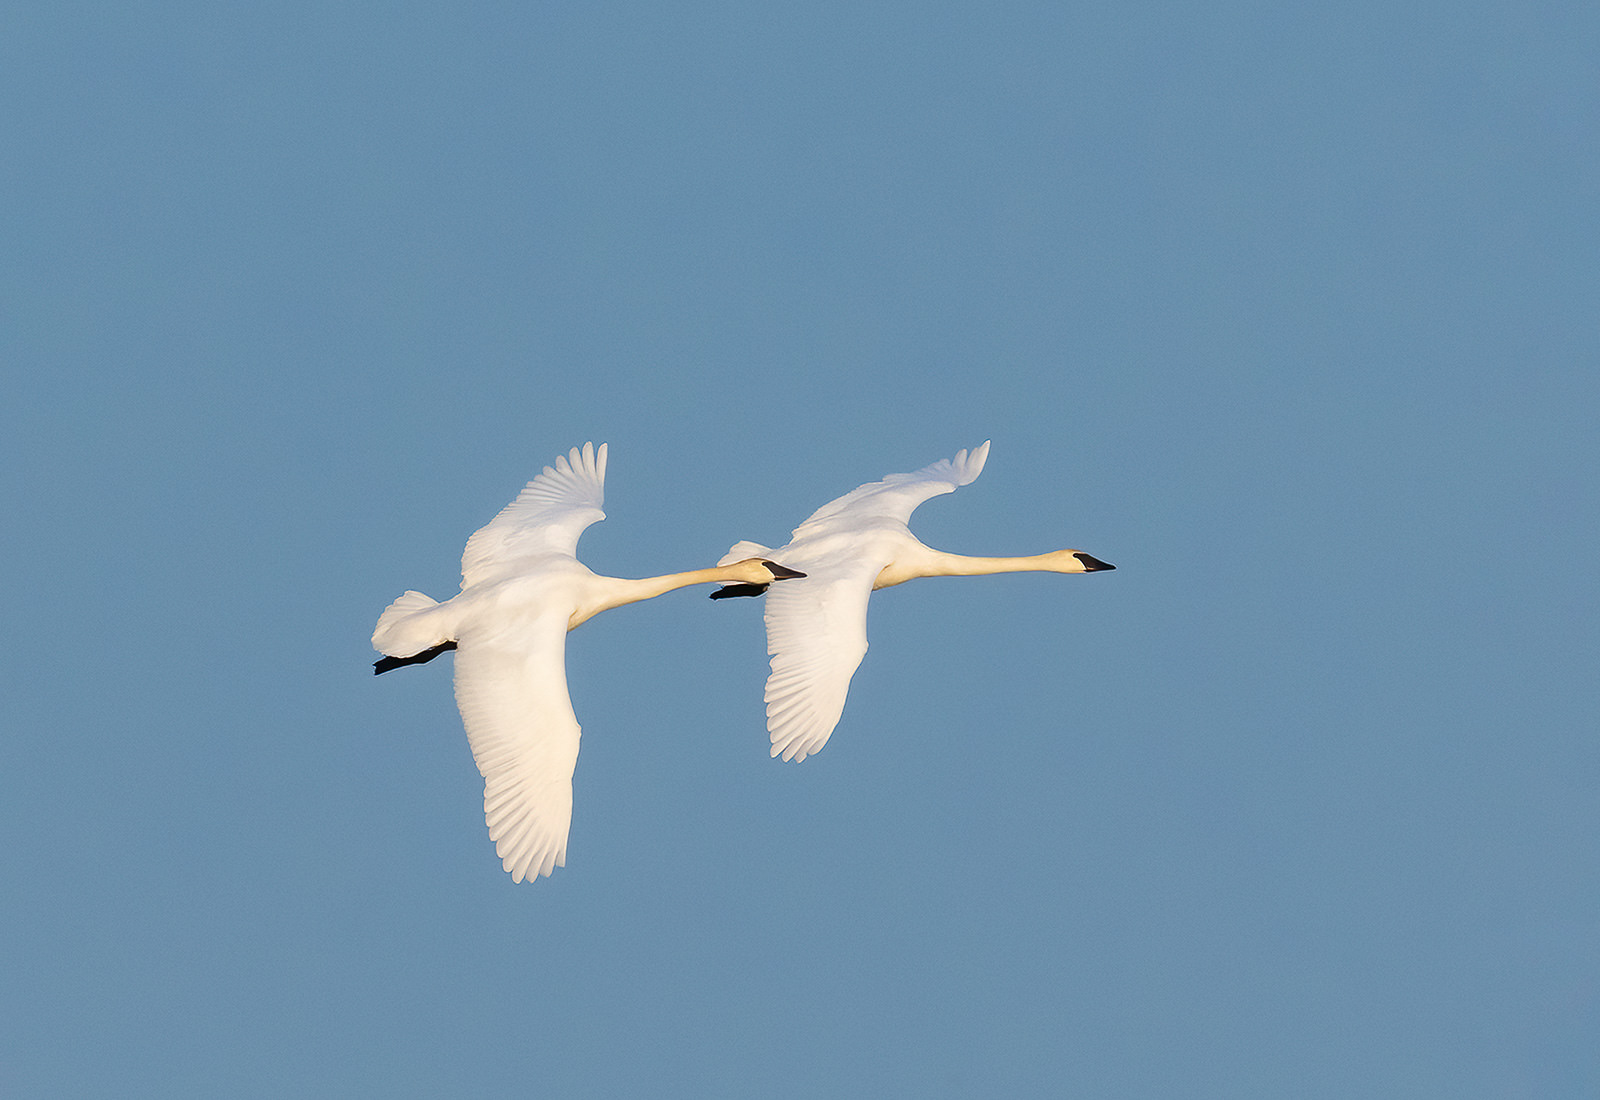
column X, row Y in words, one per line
column 1289, row 311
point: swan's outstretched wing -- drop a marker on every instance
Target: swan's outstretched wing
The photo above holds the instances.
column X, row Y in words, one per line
column 896, row 496
column 816, row 635
column 512, row 691
column 546, row 518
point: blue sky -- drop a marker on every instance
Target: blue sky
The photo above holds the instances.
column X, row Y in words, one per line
column 1289, row 313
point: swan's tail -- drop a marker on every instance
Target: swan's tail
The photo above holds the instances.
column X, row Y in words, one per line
column 405, row 628
column 743, row 550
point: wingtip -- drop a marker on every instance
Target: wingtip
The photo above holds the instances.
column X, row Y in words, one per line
column 969, row 464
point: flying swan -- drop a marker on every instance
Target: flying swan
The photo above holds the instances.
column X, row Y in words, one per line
column 522, row 589
column 817, row 627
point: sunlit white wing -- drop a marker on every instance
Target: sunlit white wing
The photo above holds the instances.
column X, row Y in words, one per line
column 816, row 635
column 896, row 496
column 512, row 691
column 546, row 518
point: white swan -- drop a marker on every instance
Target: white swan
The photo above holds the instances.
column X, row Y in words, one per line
column 817, row 627
column 522, row 589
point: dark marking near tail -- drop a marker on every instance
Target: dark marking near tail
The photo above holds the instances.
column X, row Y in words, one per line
column 1092, row 564
column 781, row 572
column 728, row 590
column 388, row 663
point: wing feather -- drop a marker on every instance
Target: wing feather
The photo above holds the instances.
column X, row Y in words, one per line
column 897, row 496
column 512, row 693
column 816, row 636
column 546, row 518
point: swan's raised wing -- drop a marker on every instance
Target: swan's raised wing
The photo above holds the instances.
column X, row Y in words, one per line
column 816, row 635
column 896, row 496
column 546, row 518
column 512, row 691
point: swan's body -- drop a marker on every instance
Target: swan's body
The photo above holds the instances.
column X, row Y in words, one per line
column 817, row 627
column 522, row 589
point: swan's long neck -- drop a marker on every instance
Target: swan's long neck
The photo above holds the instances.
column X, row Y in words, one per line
column 937, row 563
column 617, row 591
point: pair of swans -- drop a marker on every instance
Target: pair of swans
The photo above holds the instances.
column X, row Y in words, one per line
column 523, row 588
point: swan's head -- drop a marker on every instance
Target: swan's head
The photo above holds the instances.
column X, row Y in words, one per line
column 1076, row 561
column 762, row 571
column 751, row 576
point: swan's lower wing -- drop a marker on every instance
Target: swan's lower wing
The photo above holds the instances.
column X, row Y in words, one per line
column 817, row 635
column 512, row 691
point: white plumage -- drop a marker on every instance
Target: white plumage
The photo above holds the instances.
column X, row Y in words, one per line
column 817, row 627
column 522, row 589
